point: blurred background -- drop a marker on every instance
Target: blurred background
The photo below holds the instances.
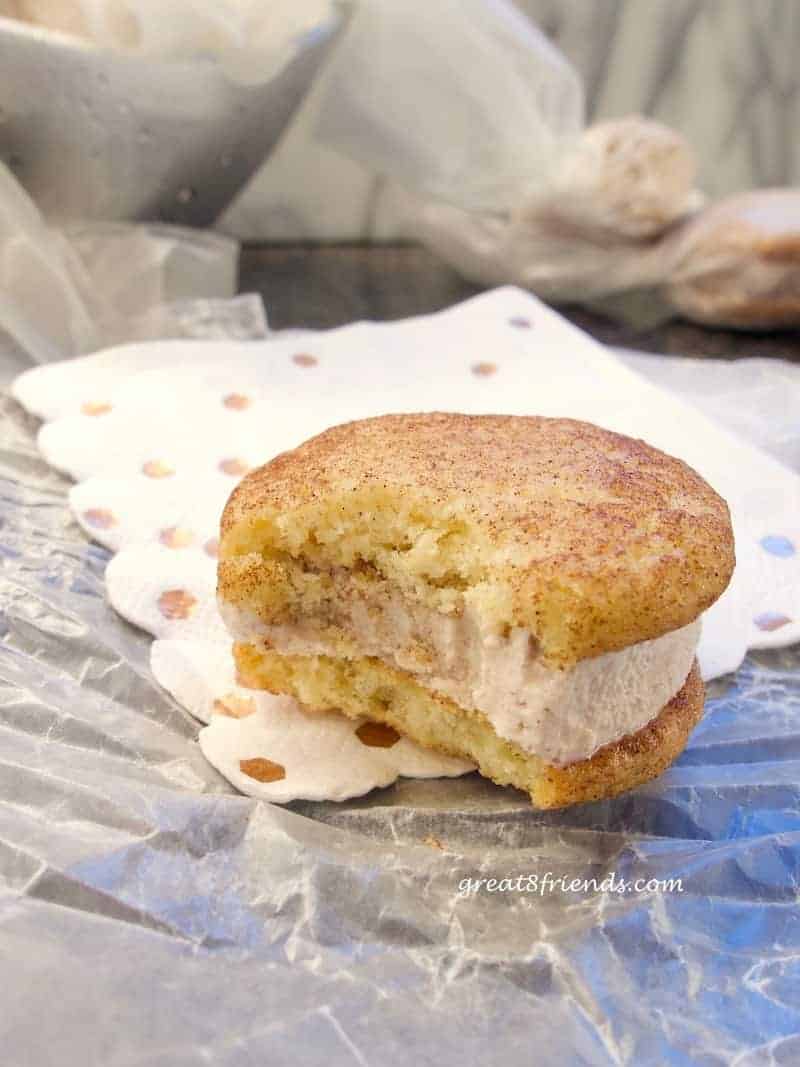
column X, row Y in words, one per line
column 383, row 158
column 725, row 73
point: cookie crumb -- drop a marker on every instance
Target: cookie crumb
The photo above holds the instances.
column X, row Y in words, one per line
column 433, row 842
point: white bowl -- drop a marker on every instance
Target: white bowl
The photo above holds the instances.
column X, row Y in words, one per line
column 100, row 134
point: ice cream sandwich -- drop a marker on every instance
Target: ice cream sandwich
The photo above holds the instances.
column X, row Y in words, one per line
column 521, row 592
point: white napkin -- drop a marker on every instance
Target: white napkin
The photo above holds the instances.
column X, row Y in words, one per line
column 158, row 434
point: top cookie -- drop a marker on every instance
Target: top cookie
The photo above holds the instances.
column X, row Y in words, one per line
column 591, row 540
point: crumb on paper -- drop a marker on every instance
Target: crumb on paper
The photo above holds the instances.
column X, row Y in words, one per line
column 433, row 842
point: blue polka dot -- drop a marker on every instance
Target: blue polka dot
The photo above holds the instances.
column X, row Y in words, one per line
column 777, row 545
column 771, row 620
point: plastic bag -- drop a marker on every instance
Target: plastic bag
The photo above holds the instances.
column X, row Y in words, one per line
column 626, row 178
column 733, row 264
column 605, row 223
column 464, row 101
column 41, row 305
column 69, row 291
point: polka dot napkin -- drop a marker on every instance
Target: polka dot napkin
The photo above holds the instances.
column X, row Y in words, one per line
column 156, row 436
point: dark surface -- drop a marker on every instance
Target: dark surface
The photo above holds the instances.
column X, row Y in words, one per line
column 321, row 286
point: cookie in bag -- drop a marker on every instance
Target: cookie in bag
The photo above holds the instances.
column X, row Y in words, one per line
column 739, row 262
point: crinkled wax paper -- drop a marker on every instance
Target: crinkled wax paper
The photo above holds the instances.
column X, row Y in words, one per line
column 149, row 915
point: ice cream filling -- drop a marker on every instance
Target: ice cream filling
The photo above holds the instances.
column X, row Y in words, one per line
column 560, row 715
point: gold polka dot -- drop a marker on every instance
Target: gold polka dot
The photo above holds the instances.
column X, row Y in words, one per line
column 176, row 537
column 234, row 706
column 377, row 735
column 156, row 468
column 484, row 370
column 233, row 466
column 95, row 407
column 305, row 359
column 263, row 770
column 176, row 604
column 100, row 518
column 237, row 401
column 211, row 547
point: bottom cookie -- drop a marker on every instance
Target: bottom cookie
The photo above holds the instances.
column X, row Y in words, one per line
column 369, row 688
